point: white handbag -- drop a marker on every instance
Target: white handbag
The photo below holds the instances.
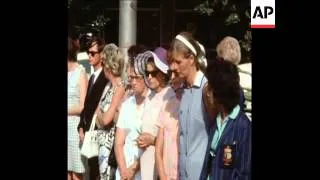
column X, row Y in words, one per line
column 90, row 146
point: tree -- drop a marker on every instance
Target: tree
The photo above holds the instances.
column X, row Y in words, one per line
column 233, row 12
column 87, row 16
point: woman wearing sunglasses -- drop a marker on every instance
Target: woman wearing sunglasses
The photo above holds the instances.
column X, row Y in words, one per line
column 156, row 71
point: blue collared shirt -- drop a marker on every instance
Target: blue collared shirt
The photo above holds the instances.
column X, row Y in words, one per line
column 193, row 130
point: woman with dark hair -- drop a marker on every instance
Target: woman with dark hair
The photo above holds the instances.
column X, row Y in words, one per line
column 156, row 76
column 167, row 143
column 134, row 50
column 77, row 88
column 228, row 155
column 229, row 49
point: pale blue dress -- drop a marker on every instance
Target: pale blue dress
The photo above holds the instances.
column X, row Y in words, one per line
column 75, row 160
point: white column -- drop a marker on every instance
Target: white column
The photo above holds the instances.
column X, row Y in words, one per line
column 127, row 27
column 127, row 24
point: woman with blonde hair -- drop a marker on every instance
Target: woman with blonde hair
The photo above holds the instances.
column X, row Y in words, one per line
column 186, row 59
column 113, row 63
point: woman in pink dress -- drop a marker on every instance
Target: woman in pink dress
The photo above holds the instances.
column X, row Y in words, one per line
column 167, row 139
column 157, row 80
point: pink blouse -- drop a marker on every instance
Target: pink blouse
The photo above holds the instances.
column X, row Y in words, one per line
column 169, row 121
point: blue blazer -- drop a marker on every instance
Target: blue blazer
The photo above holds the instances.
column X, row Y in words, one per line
column 238, row 133
column 242, row 100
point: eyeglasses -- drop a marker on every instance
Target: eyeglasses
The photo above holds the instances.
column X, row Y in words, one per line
column 135, row 78
column 153, row 73
column 92, row 53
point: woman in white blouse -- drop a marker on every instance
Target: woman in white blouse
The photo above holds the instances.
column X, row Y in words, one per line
column 129, row 128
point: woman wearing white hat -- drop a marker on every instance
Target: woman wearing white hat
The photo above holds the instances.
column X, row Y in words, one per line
column 157, row 78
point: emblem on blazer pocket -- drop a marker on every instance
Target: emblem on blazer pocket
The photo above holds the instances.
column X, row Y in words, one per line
column 228, row 158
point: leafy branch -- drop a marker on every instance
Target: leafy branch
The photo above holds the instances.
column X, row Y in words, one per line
column 233, row 12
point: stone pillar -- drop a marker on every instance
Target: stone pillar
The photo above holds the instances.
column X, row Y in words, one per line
column 127, row 28
column 127, row 24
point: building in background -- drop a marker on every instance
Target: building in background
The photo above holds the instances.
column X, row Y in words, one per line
column 158, row 21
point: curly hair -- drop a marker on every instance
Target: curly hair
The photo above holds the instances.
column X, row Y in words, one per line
column 113, row 59
column 229, row 49
column 223, row 79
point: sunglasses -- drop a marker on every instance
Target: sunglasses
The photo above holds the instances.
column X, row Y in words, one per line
column 92, row 53
column 153, row 73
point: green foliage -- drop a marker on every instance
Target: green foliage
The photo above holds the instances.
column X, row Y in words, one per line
column 246, row 43
column 233, row 13
column 204, row 9
column 233, row 18
column 246, row 46
column 85, row 16
column 247, row 13
column 99, row 23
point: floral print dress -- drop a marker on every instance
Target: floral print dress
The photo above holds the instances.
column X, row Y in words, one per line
column 106, row 136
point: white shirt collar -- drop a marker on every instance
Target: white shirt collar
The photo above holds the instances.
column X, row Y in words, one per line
column 82, row 56
column 198, row 79
column 96, row 74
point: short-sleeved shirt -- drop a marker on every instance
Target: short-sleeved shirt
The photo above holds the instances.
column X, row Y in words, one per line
column 169, row 121
column 130, row 119
column 194, row 130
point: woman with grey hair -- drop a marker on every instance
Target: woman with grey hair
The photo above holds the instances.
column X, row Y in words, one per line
column 129, row 125
column 229, row 50
column 113, row 63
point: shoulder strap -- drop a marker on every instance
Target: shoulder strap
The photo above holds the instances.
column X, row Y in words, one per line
column 93, row 122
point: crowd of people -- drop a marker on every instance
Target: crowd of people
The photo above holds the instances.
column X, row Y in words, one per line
column 167, row 114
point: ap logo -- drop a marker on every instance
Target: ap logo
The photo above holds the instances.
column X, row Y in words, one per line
column 263, row 14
